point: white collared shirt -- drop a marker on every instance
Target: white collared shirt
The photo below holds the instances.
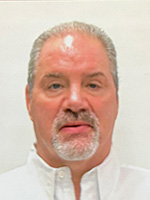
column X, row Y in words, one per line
column 57, row 182
column 108, row 181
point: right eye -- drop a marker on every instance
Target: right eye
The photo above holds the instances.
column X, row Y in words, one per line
column 55, row 86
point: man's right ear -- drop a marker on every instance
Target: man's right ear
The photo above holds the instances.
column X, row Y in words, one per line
column 28, row 101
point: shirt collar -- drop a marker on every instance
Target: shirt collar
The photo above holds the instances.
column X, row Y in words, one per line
column 45, row 174
column 106, row 174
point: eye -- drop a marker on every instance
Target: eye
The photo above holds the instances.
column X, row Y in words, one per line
column 55, row 86
column 93, row 86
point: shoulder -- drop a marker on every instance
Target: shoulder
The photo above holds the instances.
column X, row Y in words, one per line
column 135, row 180
column 17, row 184
column 12, row 177
column 14, row 172
column 134, row 173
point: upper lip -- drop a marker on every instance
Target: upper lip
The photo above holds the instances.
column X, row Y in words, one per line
column 75, row 123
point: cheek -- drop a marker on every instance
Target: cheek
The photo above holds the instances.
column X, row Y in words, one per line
column 44, row 108
column 106, row 110
column 43, row 113
column 40, row 111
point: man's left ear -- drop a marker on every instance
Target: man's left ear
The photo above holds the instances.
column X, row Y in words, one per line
column 28, row 101
column 117, row 102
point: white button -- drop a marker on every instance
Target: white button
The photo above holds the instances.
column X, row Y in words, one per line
column 61, row 174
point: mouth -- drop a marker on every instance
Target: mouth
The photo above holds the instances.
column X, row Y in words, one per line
column 76, row 127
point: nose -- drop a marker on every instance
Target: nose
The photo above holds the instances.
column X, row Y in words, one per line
column 75, row 100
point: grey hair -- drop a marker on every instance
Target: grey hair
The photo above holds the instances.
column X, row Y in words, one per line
column 63, row 28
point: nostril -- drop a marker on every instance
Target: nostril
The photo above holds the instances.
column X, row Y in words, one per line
column 83, row 110
column 71, row 110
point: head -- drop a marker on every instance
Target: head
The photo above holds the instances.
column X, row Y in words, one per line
column 72, row 92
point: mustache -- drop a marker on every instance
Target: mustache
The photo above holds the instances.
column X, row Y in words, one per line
column 69, row 116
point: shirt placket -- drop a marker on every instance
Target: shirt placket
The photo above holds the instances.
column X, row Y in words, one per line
column 89, row 186
column 64, row 188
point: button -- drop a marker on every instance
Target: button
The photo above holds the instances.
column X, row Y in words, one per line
column 61, row 174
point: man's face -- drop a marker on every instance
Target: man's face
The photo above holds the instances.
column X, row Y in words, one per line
column 74, row 102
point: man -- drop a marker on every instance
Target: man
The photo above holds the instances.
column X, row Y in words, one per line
column 73, row 103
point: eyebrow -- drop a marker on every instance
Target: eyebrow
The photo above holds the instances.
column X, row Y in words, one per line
column 96, row 74
column 54, row 75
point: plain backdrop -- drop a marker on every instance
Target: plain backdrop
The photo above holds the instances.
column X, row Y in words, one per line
column 128, row 24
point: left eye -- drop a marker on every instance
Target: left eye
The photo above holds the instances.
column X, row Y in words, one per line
column 93, row 86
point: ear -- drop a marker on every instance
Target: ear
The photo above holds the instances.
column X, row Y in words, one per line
column 117, row 104
column 28, row 101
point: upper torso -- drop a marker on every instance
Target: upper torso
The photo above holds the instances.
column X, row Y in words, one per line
column 108, row 181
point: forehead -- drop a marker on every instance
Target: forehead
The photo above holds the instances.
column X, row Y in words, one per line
column 74, row 47
column 75, row 53
column 68, row 41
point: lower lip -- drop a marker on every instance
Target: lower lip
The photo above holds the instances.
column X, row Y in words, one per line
column 76, row 130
